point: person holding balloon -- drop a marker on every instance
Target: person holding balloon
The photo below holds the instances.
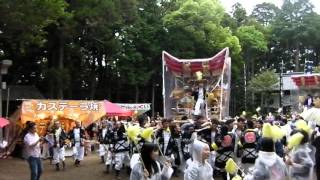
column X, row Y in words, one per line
column 299, row 158
column 148, row 168
column 145, row 164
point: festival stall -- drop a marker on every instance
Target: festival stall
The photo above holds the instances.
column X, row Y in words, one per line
column 196, row 86
column 43, row 112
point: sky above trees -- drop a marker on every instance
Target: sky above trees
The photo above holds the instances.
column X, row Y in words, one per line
column 250, row 4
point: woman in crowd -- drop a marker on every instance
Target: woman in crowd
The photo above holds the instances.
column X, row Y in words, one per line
column 199, row 168
column 209, row 135
column 149, row 168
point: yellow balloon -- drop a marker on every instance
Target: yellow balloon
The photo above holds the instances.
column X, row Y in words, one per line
column 277, row 132
column 147, row 134
column 273, row 132
column 267, row 130
column 231, row 167
column 133, row 133
column 295, row 140
column 237, row 177
column 302, row 125
column 214, row 146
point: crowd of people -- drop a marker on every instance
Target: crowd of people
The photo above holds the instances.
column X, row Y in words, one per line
column 190, row 149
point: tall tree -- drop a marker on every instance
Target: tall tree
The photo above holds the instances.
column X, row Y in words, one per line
column 195, row 30
column 265, row 13
column 239, row 13
column 263, row 84
column 290, row 28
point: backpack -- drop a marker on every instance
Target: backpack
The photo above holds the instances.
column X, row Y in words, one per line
column 250, row 137
column 226, row 141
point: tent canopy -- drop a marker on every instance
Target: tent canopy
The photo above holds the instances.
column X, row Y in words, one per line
column 112, row 109
column 82, row 111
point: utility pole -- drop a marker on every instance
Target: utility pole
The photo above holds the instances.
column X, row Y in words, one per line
column 245, row 86
column 5, row 64
column 281, row 84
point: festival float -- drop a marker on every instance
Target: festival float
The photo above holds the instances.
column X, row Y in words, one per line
column 196, row 86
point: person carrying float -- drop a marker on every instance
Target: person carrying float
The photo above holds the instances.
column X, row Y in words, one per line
column 166, row 141
column 105, row 144
column 121, row 148
column 224, row 146
column 249, row 144
column 77, row 136
column 59, row 139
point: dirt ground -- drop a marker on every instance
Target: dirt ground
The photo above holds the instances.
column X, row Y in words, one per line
column 91, row 169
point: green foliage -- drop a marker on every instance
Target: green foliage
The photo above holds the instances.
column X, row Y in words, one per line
column 239, row 14
column 263, row 81
column 265, row 13
column 252, row 39
column 23, row 22
column 197, row 25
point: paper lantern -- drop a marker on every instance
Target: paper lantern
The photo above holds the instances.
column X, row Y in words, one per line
column 199, row 75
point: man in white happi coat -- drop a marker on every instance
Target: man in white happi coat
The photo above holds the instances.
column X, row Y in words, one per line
column 77, row 135
column 105, row 139
column 59, row 137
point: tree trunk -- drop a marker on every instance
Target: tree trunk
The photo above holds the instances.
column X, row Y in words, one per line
column 296, row 57
column 61, row 65
column 137, row 93
column 93, row 86
column 262, row 99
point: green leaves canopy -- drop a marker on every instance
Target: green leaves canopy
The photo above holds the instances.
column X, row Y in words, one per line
column 263, row 81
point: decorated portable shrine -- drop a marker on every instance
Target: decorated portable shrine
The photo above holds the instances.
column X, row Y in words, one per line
column 196, row 86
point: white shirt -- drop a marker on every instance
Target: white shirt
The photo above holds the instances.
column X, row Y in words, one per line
column 213, row 136
column 309, row 101
column 30, row 139
column 57, row 135
column 104, row 132
column 76, row 132
column 166, row 138
column 201, row 95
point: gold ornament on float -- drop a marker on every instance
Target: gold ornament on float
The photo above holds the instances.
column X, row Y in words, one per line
column 186, row 68
column 177, row 93
column 205, row 66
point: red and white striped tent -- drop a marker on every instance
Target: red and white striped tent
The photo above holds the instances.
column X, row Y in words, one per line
column 306, row 81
